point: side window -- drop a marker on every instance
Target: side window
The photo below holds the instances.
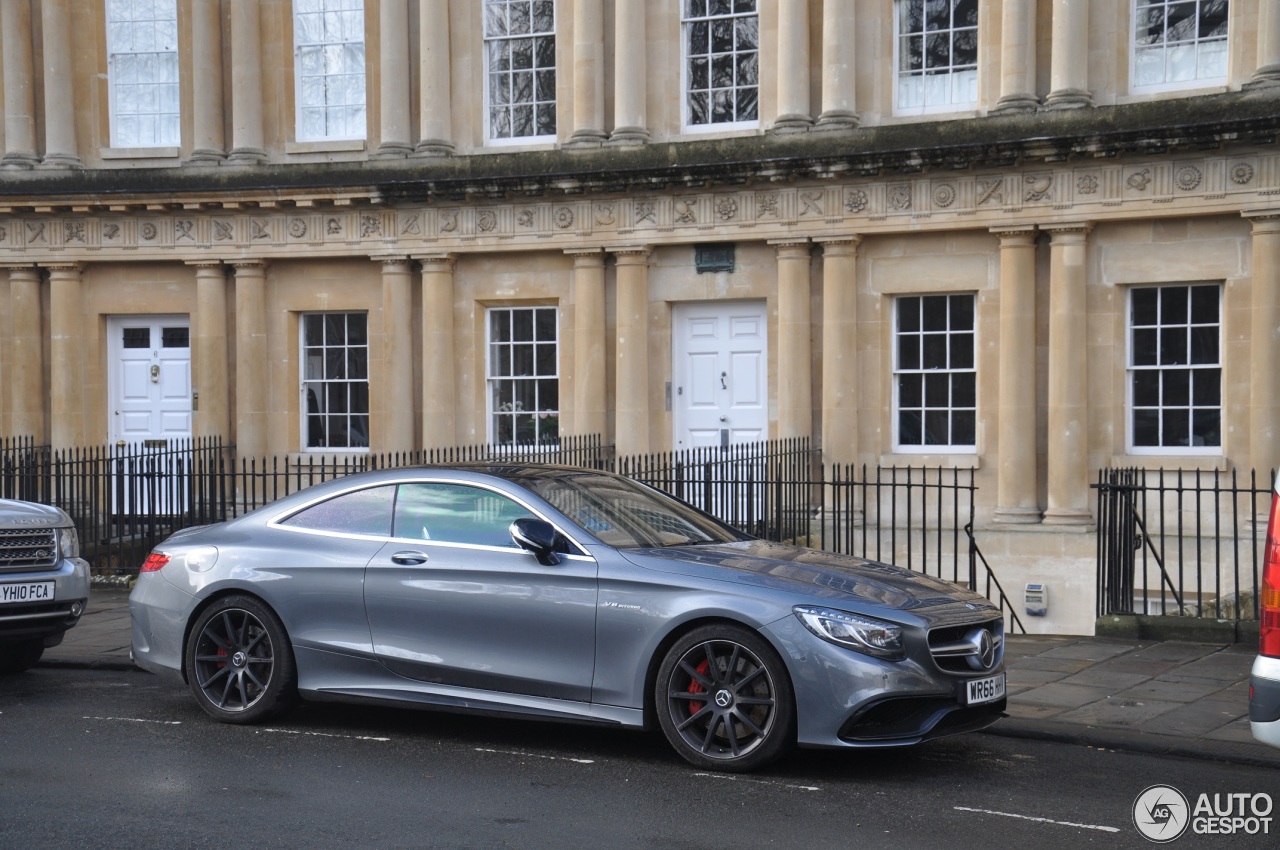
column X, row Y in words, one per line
column 935, row 378
column 937, row 56
column 722, row 62
column 335, row 380
column 520, row 62
column 365, row 511
column 1179, row 43
column 1175, row 369
column 142, row 71
column 455, row 513
column 328, row 50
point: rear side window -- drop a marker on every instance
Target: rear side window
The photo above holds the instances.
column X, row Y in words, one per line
column 365, row 511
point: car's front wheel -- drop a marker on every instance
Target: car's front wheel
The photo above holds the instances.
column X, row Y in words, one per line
column 19, row 656
column 239, row 663
column 724, row 699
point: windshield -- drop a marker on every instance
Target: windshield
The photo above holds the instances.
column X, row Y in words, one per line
column 622, row 513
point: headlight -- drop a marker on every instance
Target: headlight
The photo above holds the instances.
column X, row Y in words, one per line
column 68, row 543
column 873, row 637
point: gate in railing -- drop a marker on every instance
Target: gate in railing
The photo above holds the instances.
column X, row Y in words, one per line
column 1182, row 543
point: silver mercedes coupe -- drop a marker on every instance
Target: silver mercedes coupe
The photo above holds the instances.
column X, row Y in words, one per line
column 566, row 594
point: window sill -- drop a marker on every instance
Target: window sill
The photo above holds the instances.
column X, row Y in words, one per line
column 1152, row 462
column 950, row 460
column 325, row 146
column 139, row 153
column 1167, row 92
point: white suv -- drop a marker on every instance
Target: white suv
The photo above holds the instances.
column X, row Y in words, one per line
column 1264, row 682
column 44, row 583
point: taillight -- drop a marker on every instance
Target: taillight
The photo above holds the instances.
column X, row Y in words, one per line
column 155, row 561
column 1269, row 597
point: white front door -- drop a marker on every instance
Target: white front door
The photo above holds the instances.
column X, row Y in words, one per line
column 719, row 393
column 150, row 382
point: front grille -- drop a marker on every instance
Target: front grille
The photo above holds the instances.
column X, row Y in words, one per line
column 955, row 649
column 26, row 549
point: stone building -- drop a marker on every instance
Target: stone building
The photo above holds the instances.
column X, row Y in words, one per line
column 1035, row 237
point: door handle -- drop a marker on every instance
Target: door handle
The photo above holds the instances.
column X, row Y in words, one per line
column 409, row 558
column 723, row 385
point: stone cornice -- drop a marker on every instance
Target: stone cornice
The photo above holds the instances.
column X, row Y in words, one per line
column 1045, row 137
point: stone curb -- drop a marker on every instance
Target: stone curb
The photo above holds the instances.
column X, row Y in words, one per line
column 1132, row 740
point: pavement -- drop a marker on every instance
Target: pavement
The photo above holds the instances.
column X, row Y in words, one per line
column 1174, row 698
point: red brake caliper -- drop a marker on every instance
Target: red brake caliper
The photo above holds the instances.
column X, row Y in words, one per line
column 695, row 687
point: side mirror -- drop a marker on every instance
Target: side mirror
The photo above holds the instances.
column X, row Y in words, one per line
column 537, row 536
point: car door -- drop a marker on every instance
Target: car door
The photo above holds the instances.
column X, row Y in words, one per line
column 453, row 601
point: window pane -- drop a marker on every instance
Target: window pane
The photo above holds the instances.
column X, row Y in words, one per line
column 335, row 358
column 362, row 512
column 936, row 381
column 329, row 69
column 720, row 43
column 1177, row 394
column 522, row 375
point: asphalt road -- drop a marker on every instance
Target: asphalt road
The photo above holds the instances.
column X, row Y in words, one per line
column 116, row 759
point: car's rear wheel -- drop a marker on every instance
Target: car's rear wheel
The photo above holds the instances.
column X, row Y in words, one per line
column 724, row 699
column 239, row 663
column 19, row 656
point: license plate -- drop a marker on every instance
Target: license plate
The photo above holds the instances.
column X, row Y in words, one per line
column 32, row 591
column 978, row 691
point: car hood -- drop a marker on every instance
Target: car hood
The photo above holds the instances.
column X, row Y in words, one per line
column 797, row 569
column 16, row 514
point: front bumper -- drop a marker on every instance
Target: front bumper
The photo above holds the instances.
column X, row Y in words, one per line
column 1264, row 700
column 47, row 621
column 847, row 699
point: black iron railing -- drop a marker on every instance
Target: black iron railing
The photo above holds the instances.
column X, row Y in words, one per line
column 1181, row 543
column 125, row 500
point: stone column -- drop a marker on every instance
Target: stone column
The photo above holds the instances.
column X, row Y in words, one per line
column 60, row 149
column 631, row 358
column 1069, row 62
column 589, row 400
column 19, row 86
column 1264, row 344
column 839, row 73
column 795, row 340
column 839, row 349
column 1018, row 57
column 247, row 145
column 397, row 348
column 26, row 390
column 438, row 371
column 210, row 360
column 66, row 359
column 435, row 103
column 793, row 67
column 1068, row 414
column 1268, row 72
column 393, row 85
column 630, row 74
column 588, row 73
column 1016, row 493
column 251, row 356
column 209, row 140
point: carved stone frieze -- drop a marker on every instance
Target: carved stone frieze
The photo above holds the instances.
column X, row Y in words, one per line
column 1100, row 190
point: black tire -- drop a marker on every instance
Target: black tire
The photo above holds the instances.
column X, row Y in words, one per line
column 23, row 655
column 745, row 717
column 239, row 663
